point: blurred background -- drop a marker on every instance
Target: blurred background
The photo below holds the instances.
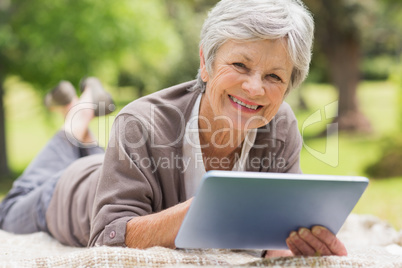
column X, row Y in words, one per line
column 349, row 109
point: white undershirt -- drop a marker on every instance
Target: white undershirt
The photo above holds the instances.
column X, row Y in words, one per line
column 194, row 168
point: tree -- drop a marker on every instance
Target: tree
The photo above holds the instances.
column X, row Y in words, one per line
column 44, row 42
column 389, row 40
column 338, row 37
column 188, row 17
column 4, row 170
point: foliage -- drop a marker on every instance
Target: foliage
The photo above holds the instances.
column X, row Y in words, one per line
column 389, row 164
column 354, row 152
column 377, row 24
column 379, row 67
column 46, row 41
column 188, row 24
column 396, row 77
column 337, row 37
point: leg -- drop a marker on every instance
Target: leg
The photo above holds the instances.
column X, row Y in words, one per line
column 77, row 118
column 25, row 213
column 24, row 208
column 94, row 101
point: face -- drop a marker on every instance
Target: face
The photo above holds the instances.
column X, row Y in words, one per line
column 247, row 83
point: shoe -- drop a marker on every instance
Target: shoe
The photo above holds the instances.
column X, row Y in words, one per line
column 61, row 95
column 103, row 99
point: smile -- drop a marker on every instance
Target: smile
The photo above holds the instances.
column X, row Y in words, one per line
column 253, row 107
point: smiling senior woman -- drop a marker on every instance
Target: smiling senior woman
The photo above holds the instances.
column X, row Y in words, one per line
column 252, row 53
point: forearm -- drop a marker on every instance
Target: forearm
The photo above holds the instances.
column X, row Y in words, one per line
column 158, row 229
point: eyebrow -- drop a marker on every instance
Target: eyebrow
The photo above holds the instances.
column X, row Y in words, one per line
column 278, row 69
column 245, row 57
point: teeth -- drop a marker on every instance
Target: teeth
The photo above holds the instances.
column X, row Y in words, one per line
column 254, row 107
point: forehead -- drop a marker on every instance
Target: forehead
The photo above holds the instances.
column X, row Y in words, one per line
column 265, row 51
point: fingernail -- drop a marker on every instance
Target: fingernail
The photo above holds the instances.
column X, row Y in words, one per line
column 317, row 230
column 303, row 231
column 293, row 234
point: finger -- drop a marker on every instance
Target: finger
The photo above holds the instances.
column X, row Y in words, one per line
column 293, row 247
column 301, row 245
column 330, row 240
column 278, row 253
column 320, row 248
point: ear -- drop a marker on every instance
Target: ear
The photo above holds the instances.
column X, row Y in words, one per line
column 203, row 69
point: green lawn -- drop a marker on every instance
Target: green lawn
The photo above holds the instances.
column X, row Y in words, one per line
column 29, row 126
column 350, row 154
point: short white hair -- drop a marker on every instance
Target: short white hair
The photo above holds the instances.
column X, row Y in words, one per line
column 252, row 20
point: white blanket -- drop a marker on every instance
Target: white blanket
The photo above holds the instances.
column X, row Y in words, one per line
column 370, row 243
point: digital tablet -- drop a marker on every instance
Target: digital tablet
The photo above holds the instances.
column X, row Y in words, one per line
column 252, row 210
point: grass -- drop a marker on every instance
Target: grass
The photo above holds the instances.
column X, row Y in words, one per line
column 30, row 126
column 351, row 154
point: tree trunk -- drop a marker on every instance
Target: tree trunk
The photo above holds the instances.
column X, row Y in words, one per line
column 344, row 59
column 338, row 37
column 4, row 169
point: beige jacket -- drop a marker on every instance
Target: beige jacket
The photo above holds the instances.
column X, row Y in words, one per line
column 142, row 170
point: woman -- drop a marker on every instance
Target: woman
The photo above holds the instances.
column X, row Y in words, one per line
column 252, row 53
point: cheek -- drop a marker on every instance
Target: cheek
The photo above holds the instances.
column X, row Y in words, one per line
column 276, row 93
column 220, row 84
column 275, row 96
column 224, row 78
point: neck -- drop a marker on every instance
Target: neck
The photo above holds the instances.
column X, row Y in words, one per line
column 219, row 142
column 219, row 155
column 220, row 138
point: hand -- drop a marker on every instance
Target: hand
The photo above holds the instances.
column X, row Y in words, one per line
column 318, row 241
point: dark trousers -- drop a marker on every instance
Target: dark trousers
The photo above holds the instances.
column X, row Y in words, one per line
column 23, row 210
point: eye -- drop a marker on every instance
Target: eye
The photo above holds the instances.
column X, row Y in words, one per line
column 240, row 65
column 275, row 77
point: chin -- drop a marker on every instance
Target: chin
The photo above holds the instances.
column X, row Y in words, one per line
column 245, row 121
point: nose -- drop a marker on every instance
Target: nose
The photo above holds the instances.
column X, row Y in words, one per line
column 254, row 85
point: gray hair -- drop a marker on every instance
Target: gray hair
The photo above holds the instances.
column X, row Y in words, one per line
column 252, row 20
